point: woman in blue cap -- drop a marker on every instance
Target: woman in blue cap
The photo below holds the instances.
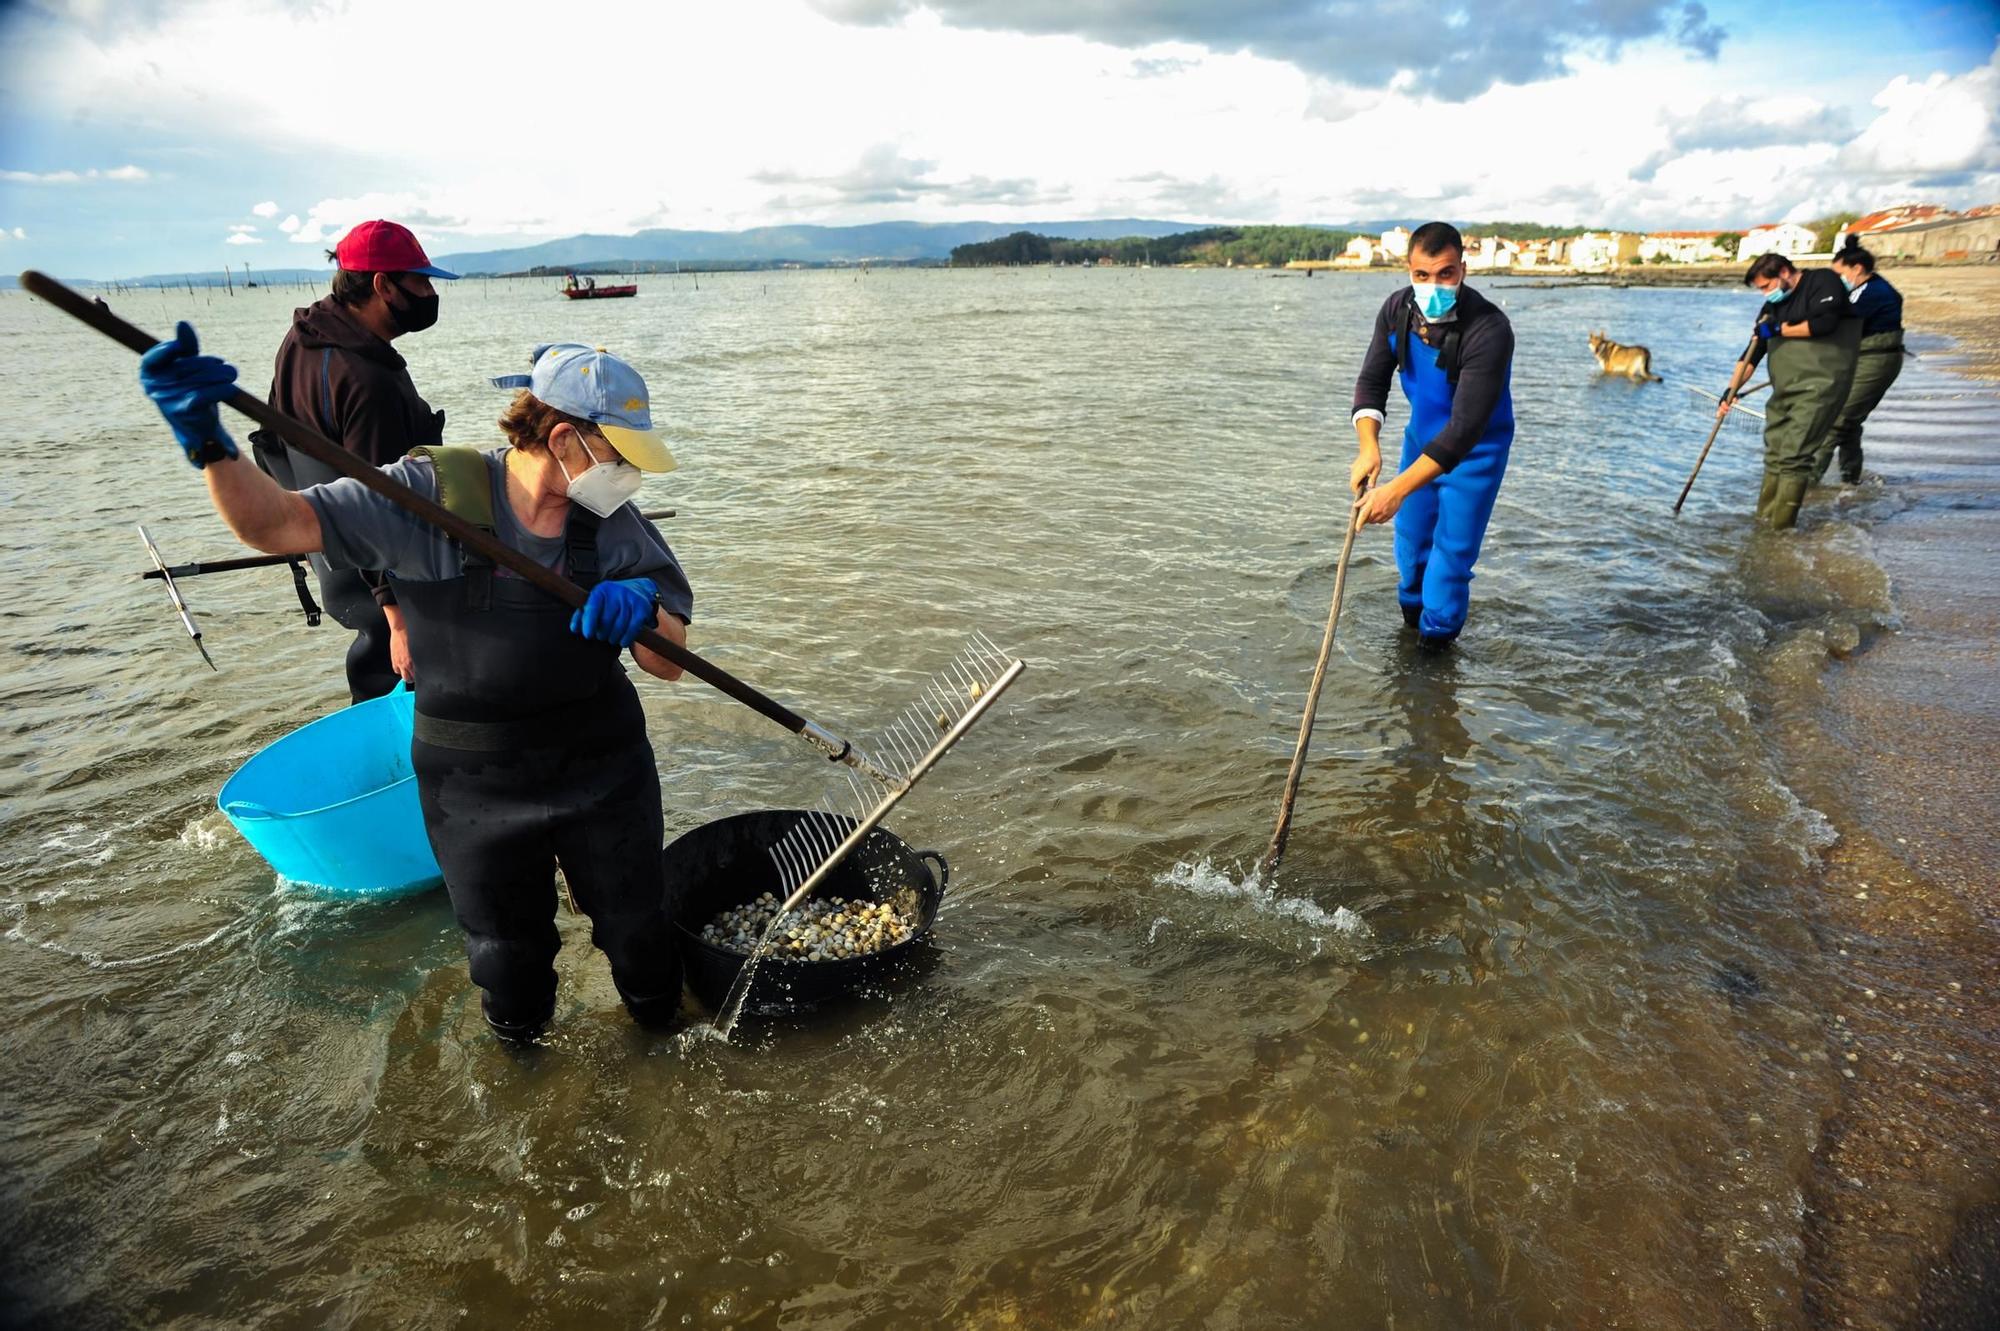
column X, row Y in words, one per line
column 530, row 746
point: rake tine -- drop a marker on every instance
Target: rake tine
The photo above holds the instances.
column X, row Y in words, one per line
column 860, row 800
column 781, row 857
column 964, row 721
column 823, row 841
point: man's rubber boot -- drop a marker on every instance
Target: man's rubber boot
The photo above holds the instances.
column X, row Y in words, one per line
column 655, row 1014
column 1411, row 614
column 1765, row 495
column 1437, row 642
column 1785, row 503
column 514, row 1032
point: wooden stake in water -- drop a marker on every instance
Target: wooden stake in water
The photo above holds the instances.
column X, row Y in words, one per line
column 1269, row 864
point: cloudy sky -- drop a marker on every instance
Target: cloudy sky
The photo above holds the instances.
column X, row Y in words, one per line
column 149, row 135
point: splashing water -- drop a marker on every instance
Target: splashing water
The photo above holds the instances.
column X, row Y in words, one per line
column 1201, row 878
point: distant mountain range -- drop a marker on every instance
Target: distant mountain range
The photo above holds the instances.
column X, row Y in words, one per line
column 263, row 277
column 887, row 242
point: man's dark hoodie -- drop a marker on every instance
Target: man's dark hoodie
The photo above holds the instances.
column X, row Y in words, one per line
column 337, row 375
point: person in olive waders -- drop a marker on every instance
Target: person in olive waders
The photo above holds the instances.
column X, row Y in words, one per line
column 1879, row 306
column 1810, row 332
column 1454, row 352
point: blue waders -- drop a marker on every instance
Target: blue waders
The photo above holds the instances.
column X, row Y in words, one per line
column 1440, row 527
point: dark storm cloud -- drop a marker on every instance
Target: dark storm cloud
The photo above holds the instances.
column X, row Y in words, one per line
column 1733, row 122
column 1452, row 53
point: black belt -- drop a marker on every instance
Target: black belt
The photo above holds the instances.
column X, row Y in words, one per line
column 588, row 723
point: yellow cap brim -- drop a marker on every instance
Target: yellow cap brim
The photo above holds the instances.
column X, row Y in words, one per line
column 644, row 449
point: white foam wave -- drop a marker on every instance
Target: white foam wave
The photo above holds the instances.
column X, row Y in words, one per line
column 1203, row 879
column 205, row 833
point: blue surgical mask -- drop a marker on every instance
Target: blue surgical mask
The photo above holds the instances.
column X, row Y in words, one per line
column 1775, row 294
column 1844, row 282
column 1435, row 300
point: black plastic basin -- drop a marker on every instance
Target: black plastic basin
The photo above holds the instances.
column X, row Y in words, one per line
column 727, row 863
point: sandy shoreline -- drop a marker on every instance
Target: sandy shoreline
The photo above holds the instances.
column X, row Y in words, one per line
column 1903, row 1211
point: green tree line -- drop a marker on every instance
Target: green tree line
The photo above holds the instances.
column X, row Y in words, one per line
column 1220, row 245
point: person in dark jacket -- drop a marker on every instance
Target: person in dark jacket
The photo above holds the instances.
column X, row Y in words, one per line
column 337, row 371
column 1453, row 351
column 1879, row 306
column 1809, row 330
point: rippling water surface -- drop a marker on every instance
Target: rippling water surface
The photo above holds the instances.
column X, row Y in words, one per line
column 1525, row 1033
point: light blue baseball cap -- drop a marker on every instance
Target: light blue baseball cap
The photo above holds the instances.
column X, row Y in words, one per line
column 592, row 383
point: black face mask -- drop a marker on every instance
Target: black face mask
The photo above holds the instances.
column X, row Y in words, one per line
column 417, row 314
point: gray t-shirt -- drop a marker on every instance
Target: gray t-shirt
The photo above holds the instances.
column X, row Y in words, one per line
column 360, row 529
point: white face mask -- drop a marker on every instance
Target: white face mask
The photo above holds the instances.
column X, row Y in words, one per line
column 604, row 486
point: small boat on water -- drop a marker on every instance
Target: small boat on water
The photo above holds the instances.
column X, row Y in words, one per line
column 587, row 289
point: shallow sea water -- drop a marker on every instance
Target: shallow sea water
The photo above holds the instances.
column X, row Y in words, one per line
column 1527, row 1031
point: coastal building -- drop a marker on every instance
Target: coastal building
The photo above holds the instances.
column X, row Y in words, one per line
column 1488, row 253
column 1603, row 249
column 1534, row 253
column 1396, row 244
column 1973, row 234
column 1360, row 253
column 1903, row 214
column 1786, row 238
column 1681, row 247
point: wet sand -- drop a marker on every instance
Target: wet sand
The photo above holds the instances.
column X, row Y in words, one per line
column 1902, row 752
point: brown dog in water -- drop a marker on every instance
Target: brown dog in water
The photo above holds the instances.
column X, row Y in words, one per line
column 1617, row 358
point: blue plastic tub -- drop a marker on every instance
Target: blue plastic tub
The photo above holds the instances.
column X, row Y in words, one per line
column 334, row 803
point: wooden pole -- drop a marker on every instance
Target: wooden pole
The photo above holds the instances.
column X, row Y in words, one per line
column 1727, row 398
column 1269, row 864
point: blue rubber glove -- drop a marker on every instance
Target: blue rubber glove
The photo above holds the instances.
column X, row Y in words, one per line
column 187, row 386
column 616, row 611
column 1767, row 329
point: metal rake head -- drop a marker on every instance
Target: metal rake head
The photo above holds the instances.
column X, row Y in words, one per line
column 950, row 703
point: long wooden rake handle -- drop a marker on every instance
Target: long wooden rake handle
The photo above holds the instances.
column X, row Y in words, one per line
column 322, row 449
column 1711, row 441
column 1269, row 864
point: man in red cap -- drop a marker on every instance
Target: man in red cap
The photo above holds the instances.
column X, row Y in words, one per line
column 337, row 371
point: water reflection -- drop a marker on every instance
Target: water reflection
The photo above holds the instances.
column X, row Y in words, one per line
column 1524, row 1034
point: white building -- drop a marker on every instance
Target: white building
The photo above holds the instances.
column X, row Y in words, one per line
column 1682, row 247
column 1786, row 238
column 1603, row 249
column 1360, row 252
column 1396, row 243
column 1491, row 252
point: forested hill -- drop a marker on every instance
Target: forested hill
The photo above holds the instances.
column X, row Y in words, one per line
column 1209, row 245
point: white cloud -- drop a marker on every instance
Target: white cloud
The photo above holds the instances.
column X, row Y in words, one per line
column 243, row 238
column 73, row 177
column 241, row 226
column 839, row 123
column 18, row 233
column 1941, row 125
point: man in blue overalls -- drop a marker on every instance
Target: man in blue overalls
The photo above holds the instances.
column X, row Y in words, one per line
column 1454, row 351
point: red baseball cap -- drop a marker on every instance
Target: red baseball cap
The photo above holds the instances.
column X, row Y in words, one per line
column 385, row 247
